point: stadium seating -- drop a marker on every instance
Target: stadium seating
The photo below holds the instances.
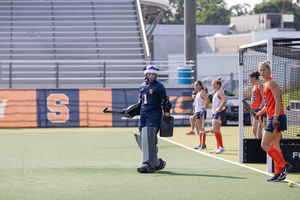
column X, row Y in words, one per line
column 70, row 43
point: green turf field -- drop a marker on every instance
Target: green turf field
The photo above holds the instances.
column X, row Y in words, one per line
column 100, row 163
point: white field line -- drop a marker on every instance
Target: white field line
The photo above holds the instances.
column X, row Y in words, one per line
column 197, row 151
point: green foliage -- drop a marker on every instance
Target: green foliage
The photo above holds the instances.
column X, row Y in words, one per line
column 209, row 12
column 175, row 14
column 179, row 14
column 240, row 9
column 280, row 6
column 212, row 12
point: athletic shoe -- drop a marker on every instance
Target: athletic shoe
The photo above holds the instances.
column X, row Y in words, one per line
column 203, row 147
column 199, row 147
column 145, row 168
column 190, row 133
column 214, row 151
column 274, row 178
column 161, row 165
column 284, row 171
column 220, row 150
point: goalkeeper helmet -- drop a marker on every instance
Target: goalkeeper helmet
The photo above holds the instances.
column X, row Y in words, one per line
column 150, row 69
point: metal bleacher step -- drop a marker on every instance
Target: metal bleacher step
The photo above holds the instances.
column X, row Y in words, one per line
column 70, row 23
column 102, row 51
column 64, row 28
column 68, row 56
column 61, row 3
column 70, row 39
column 71, row 34
column 72, row 45
column 64, row 18
column 64, row 7
column 107, row 12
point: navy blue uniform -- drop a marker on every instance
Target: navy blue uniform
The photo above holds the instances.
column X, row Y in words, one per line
column 151, row 109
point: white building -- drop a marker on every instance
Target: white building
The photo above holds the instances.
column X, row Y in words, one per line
column 217, row 46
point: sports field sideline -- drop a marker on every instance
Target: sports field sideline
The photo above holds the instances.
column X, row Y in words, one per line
column 100, row 163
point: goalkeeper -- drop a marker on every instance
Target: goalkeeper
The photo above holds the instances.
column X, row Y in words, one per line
column 152, row 99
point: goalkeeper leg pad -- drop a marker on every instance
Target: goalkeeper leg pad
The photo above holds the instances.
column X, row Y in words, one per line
column 149, row 145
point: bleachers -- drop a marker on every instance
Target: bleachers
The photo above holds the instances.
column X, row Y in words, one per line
column 94, row 31
column 36, row 30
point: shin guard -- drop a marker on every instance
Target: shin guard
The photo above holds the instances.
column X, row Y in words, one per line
column 277, row 157
column 204, row 138
column 218, row 136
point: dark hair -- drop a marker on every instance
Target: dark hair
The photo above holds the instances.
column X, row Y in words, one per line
column 255, row 74
column 218, row 81
column 201, row 85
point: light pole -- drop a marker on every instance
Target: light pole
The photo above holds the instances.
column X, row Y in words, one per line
column 190, row 36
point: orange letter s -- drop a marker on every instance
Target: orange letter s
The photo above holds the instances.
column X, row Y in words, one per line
column 60, row 108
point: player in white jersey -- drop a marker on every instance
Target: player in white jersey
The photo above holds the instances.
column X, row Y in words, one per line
column 218, row 113
column 201, row 103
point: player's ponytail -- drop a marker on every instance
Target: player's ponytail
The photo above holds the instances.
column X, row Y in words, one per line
column 218, row 81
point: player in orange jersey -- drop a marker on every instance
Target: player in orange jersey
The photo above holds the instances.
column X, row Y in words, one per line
column 277, row 122
column 257, row 102
column 218, row 111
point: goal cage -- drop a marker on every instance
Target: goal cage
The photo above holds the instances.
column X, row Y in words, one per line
column 284, row 57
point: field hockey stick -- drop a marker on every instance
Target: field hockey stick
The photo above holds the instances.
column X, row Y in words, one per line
column 257, row 131
column 202, row 132
column 111, row 111
column 252, row 112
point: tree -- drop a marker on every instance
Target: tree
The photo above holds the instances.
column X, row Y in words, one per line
column 212, row 12
column 280, row 6
column 239, row 9
column 175, row 14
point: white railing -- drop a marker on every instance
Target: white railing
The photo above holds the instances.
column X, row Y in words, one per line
column 142, row 29
column 87, row 74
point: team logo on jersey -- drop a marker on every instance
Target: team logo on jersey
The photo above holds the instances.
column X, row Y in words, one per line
column 150, row 91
